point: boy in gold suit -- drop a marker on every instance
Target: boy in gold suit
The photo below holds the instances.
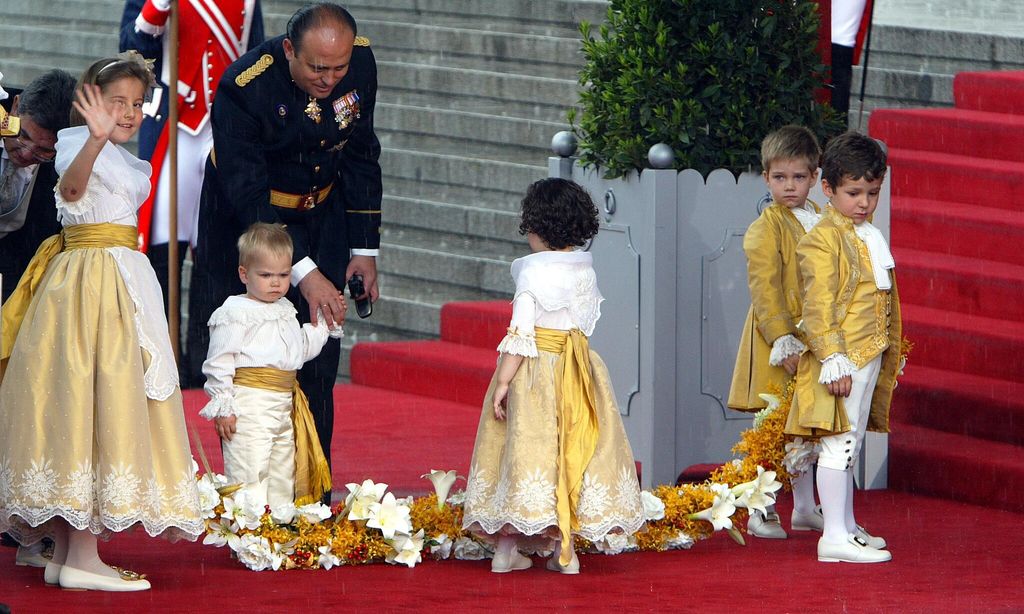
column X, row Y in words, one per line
column 771, row 344
column 851, row 320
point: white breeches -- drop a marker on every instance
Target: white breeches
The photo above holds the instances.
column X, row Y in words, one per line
column 840, row 451
column 846, row 16
column 262, row 451
column 192, row 152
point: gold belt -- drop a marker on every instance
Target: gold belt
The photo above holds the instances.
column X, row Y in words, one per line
column 302, row 202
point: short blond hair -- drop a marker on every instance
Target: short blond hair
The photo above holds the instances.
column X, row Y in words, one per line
column 262, row 239
column 790, row 143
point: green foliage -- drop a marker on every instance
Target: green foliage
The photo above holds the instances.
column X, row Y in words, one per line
column 708, row 77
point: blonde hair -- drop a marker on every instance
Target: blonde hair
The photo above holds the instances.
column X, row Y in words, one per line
column 127, row 65
column 262, row 239
column 790, row 143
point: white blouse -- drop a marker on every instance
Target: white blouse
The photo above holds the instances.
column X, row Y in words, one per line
column 245, row 332
column 117, row 187
column 555, row 290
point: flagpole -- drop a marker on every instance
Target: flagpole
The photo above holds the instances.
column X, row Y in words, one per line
column 173, row 274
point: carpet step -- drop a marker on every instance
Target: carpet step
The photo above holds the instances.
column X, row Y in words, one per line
column 435, row 369
column 479, row 324
column 965, row 343
column 994, row 91
column 960, row 403
column 964, row 285
column 981, row 134
column 942, row 176
column 960, row 229
column 965, row 469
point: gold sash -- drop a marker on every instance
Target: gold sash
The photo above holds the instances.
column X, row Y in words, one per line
column 79, row 236
column 577, row 423
column 312, row 475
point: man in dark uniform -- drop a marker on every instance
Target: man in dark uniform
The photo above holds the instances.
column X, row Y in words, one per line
column 294, row 143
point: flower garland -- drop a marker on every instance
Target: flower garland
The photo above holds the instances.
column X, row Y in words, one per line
column 375, row 526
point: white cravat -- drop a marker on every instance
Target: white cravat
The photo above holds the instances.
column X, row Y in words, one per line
column 878, row 251
column 807, row 216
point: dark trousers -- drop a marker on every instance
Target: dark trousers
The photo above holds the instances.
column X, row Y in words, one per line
column 842, row 77
column 158, row 259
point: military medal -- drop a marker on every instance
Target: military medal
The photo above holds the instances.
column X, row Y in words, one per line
column 313, row 110
column 346, row 109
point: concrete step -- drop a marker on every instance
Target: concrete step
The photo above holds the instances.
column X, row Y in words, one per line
column 458, row 219
column 450, row 145
column 943, row 51
column 461, row 170
column 394, row 92
column 890, row 87
column 488, row 198
column 433, row 266
column 38, row 41
column 465, row 126
column 506, row 248
column 469, row 47
column 72, row 15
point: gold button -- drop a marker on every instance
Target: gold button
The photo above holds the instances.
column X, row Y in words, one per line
column 323, row 142
column 316, row 169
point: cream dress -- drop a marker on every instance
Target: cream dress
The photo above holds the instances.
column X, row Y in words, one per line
column 91, row 422
column 513, row 474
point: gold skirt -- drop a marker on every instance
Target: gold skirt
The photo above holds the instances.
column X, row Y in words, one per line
column 79, row 439
column 512, row 477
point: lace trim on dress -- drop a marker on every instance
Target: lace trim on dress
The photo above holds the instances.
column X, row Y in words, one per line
column 222, row 405
column 836, row 367
column 161, row 378
column 784, row 347
column 518, row 344
column 83, row 205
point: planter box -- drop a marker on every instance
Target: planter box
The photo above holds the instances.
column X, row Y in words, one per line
column 671, row 266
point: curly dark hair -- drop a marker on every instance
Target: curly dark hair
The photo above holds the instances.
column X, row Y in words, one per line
column 560, row 212
column 852, row 155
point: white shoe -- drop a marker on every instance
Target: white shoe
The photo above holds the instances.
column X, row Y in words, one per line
column 30, row 557
column 875, row 542
column 514, row 562
column 571, row 569
column 813, row 521
column 78, row 579
column 767, row 526
column 51, row 575
column 853, row 550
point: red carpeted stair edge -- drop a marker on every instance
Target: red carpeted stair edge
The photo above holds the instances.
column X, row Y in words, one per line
column 479, row 324
column 972, row 133
column 996, row 91
column 970, row 230
column 960, row 284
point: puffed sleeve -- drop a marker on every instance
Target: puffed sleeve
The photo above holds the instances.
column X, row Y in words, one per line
column 219, row 369
column 314, row 337
column 764, row 276
column 520, row 339
column 818, row 256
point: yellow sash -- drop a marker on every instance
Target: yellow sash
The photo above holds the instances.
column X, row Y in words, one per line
column 80, row 236
column 312, row 475
column 577, row 423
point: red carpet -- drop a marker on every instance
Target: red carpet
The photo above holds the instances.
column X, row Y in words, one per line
column 957, row 231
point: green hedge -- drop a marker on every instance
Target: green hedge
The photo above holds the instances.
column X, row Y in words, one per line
column 708, row 77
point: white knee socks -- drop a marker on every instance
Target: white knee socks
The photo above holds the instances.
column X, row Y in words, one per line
column 832, row 490
column 848, row 519
column 803, row 492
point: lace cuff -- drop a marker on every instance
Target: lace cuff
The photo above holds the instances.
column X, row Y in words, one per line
column 836, row 367
column 221, row 405
column 518, row 344
column 337, row 332
column 784, row 347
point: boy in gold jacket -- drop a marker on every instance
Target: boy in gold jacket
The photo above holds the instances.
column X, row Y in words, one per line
column 771, row 344
column 851, row 320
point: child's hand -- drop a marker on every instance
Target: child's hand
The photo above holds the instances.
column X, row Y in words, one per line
column 226, row 427
column 789, row 363
column 100, row 116
column 500, row 401
column 841, row 387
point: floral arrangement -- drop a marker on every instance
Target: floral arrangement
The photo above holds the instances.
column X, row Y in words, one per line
column 375, row 526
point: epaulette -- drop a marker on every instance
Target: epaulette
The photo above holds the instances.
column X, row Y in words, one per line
column 9, row 124
column 361, row 41
column 254, row 71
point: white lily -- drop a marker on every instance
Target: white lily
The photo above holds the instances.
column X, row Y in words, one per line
column 721, row 510
column 327, row 559
column 757, row 494
column 407, row 549
column 361, row 497
column 441, row 546
column 313, row 512
column 209, row 498
column 389, row 517
column 242, row 508
column 221, row 532
column 654, row 508
column 773, row 402
column 442, row 481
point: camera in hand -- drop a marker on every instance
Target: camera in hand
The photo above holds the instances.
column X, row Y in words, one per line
column 355, row 289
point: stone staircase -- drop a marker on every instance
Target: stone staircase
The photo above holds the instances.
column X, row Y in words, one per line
column 914, row 67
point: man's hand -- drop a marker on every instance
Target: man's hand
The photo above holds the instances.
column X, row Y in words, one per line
column 321, row 294
column 226, row 427
column 789, row 363
column 367, row 267
column 841, row 387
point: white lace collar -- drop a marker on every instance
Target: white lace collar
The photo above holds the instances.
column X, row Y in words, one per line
column 240, row 309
